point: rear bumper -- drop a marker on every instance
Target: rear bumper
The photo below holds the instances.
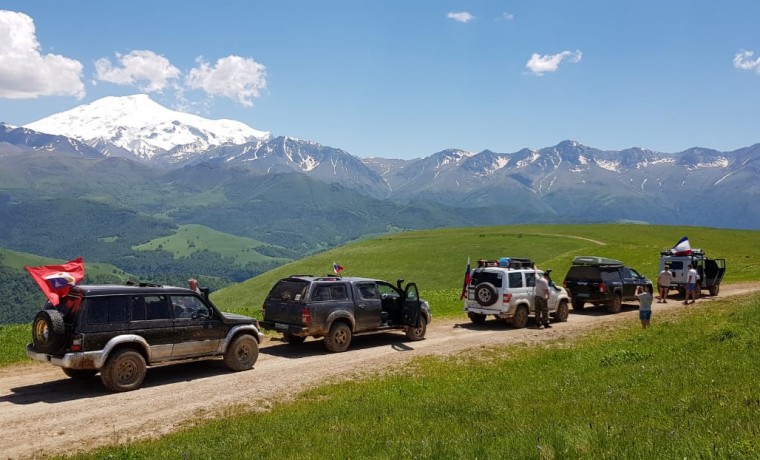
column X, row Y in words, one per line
column 294, row 329
column 89, row 360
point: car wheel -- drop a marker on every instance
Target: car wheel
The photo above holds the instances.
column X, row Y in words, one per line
column 124, row 370
column 485, row 294
column 616, row 305
column 48, row 331
column 714, row 290
column 476, row 318
column 520, row 320
column 417, row 333
column 578, row 305
column 293, row 339
column 80, row 374
column 562, row 312
column 339, row 337
column 242, row 353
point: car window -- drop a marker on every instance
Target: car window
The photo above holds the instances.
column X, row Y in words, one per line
column 486, row 277
column 288, row 290
column 150, row 307
column 188, row 307
column 386, row 290
column 104, row 310
column 675, row 264
column 320, row 293
column 611, row 276
column 530, row 279
column 515, row 280
column 581, row 272
column 338, row 292
column 367, row 290
column 635, row 274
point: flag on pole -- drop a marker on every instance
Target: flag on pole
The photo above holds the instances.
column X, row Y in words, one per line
column 337, row 268
column 682, row 248
column 466, row 280
column 55, row 280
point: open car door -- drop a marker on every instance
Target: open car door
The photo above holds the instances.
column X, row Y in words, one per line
column 410, row 311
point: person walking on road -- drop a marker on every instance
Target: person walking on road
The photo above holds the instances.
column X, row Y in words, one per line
column 691, row 285
column 645, row 305
column 663, row 284
column 541, row 300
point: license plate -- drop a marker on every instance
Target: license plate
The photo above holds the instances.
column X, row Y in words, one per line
column 582, row 295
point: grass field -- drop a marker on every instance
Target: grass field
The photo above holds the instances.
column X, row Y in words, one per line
column 194, row 238
column 687, row 387
column 436, row 259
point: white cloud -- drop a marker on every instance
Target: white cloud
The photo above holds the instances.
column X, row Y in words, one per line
column 743, row 60
column 25, row 72
column 234, row 77
column 550, row 63
column 138, row 66
column 506, row 17
column 462, row 16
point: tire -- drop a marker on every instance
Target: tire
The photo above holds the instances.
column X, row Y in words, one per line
column 476, row 318
column 616, row 305
column 578, row 305
column 48, row 331
column 293, row 339
column 417, row 333
column 714, row 290
column 339, row 337
column 80, row 374
column 520, row 320
column 124, row 370
column 242, row 353
column 485, row 294
column 562, row 312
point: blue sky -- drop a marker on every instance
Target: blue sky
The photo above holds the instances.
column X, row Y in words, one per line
column 404, row 79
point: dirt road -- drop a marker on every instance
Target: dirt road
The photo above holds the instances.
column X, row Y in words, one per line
column 44, row 412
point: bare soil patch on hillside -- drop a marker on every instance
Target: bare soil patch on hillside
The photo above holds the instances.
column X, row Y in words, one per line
column 43, row 412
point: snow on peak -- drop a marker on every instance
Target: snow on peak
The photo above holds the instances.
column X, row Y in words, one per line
column 144, row 127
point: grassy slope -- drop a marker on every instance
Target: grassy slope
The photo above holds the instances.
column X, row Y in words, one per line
column 436, row 259
column 193, row 238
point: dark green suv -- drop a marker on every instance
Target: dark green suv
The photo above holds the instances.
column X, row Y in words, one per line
column 118, row 331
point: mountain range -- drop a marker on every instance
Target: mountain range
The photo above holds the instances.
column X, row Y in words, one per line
column 105, row 178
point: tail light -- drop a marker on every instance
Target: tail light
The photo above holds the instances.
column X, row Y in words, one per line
column 602, row 287
column 564, row 284
column 507, row 298
column 306, row 317
column 76, row 343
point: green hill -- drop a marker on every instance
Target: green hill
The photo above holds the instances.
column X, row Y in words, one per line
column 436, row 259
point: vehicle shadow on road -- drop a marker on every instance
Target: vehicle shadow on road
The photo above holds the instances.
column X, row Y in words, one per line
column 316, row 347
column 66, row 389
column 602, row 310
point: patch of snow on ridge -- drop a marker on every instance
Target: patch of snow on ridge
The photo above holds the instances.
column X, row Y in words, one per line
column 720, row 162
column 613, row 166
column 533, row 157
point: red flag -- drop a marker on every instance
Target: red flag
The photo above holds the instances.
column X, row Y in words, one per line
column 337, row 268
column 466, row 280
column 55, row 280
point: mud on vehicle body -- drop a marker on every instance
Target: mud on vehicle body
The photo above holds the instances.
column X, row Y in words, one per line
column 505, row 289
column 337, row 308
column 118, row 331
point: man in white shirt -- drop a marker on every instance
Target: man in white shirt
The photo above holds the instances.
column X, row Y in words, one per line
column 691, row 285
column 663, row 284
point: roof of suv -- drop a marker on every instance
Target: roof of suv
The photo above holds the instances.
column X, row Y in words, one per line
column 90, row 290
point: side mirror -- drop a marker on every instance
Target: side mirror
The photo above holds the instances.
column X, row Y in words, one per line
column 399, row 282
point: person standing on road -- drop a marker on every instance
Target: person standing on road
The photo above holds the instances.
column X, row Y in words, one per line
column 663, row 284
column 541, row 300
column 691, row 285
column 645, row 304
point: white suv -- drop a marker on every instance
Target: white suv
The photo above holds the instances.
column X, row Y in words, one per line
column 505, row 288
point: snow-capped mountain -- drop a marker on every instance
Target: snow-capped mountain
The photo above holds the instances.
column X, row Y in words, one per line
column 137, row 126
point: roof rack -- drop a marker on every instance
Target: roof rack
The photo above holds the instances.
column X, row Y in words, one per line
column 596, row 261
column 507, row 262
column 671, row 252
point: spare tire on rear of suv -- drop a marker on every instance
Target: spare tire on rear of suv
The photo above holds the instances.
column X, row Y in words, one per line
column 485, row 294
column 48, row 331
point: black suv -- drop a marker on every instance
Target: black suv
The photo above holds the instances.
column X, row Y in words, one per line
column 337, row 308
column 119, row 330
column 602, row 281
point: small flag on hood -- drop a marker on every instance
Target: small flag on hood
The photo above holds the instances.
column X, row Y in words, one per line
column 55, row 280
column 337, row 268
